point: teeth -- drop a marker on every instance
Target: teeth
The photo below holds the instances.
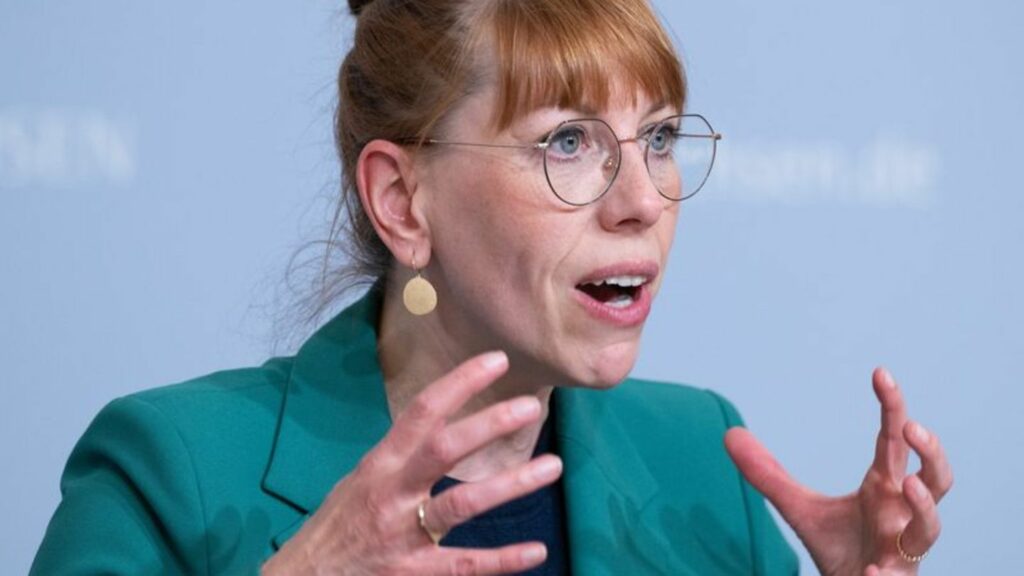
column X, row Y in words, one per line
column 624, row 281
column 620, row 302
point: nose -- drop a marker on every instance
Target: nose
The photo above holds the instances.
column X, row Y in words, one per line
column 633, row 203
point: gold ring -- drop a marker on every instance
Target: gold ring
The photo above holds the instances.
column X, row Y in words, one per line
column 912, row 558
column 421, row 512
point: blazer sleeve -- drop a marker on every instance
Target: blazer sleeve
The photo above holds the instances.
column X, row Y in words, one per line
column 772, row 555
column 130, row 503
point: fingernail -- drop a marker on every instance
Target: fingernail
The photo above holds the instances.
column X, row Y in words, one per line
column 535, row 554
column 494, row 359
column 547, row 469
column 887, row 379
column 920, row 432
column 525, row 407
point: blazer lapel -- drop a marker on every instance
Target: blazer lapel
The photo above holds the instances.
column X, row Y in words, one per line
column 334, row 411
column 610, row 494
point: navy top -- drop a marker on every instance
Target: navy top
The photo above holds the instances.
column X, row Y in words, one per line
column 539, row 516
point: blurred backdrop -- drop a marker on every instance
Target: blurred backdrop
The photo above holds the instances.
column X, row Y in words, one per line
column 160, row 163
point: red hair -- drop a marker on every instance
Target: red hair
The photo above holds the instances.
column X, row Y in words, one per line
column 413, row 61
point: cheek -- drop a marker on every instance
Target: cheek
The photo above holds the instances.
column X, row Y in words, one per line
column 501, row 244
column 665, row 229
column 500, row 219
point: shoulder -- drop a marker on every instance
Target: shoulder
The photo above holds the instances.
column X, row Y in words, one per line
column 183, row 432
column 676, row 430
column 205, row 406
column 205, row 418
column 154, row 479
column 198, row 420
column 680, row 430
column 238, row 389
column 676, row 406
column 676, row 422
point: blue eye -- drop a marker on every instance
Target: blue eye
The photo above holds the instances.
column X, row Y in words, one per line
column 663, row 139
column 568, row 141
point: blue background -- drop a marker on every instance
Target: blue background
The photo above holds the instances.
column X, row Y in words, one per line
column 160, row 162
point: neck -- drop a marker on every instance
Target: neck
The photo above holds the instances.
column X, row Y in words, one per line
column 415, row 351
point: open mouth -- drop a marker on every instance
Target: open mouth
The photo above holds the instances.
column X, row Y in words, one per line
column 616, row 291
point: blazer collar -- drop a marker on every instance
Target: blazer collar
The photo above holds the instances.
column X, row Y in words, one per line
column 335, row 409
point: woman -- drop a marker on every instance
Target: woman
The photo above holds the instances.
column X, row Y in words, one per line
column 514, row 171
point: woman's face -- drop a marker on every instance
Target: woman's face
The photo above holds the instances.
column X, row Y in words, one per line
column 517, row 269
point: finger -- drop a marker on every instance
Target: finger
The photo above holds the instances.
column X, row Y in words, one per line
column 765, row 473
column 890, row 449
column 936, row 472
column 923, row 530
column 440, row 400
column 872, row 570
column 466, row 561
column 446, row 447
column 465, row 501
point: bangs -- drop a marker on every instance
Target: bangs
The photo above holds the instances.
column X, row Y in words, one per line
column 570, row 54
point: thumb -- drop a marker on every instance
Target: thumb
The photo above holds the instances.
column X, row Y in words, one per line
column 765, row 473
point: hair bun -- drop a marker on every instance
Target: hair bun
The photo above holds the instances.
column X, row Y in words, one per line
column 356, row 6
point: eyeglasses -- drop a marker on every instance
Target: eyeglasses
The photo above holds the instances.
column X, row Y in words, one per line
column 582, row 157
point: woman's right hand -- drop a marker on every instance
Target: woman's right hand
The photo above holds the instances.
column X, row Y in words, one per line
column 369, row 522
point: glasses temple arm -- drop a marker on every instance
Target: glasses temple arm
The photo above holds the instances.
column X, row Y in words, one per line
column 538, row 146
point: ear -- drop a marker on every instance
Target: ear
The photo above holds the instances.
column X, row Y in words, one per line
column 386, row 183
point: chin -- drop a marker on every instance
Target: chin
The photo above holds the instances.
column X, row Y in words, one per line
column 609, row 366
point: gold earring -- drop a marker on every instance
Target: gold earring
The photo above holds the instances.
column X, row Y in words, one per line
column 419, row 295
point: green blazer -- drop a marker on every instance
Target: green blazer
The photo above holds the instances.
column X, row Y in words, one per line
column 212, row 475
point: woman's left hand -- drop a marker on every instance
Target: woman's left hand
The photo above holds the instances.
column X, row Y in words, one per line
column 857, row 534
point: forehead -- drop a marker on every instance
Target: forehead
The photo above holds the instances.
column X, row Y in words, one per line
column 581, row 54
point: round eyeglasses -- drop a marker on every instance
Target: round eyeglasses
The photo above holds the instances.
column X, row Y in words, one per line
column 582, row 157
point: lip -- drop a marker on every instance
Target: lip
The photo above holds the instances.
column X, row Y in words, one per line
column 632, row 315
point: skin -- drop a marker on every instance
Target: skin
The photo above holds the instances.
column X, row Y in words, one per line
column 856, row 534
column 504, row 256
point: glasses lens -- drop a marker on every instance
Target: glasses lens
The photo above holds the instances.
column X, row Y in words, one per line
column 680, row 155
column 581, row 160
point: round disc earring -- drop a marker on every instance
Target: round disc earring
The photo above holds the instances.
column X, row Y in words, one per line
column 419, row 295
